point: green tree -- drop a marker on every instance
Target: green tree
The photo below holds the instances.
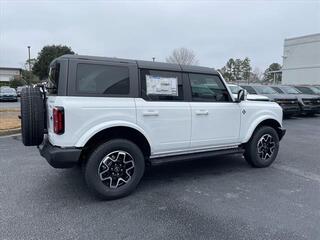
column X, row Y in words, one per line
column 45, row 56
column 227, row 70
column 246, row 69
column 273, row 73
column 29, row 78
column 237, row 70
column 17, row 81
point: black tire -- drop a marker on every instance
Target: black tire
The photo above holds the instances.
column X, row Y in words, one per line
column 252, row 156
column 32, row 116
column 101, row 188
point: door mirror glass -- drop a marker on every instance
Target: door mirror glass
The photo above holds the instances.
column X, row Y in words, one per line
column 242, row 95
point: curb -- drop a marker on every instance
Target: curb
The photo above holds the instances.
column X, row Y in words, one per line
column 10, row 131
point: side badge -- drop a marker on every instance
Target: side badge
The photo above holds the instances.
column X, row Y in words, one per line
column 244, row 111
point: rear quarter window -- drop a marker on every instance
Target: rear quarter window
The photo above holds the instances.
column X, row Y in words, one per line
column 102, row 79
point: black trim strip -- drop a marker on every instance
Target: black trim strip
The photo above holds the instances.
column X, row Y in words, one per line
column 191, row 156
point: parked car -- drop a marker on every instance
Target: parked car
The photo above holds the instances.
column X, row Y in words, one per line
column 309, row 104
column 114, row 116
column 308, row 90
column 288, row 102
column 8, row 94
column 252, row 97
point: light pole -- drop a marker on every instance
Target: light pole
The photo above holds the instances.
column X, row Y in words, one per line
column 29, row 79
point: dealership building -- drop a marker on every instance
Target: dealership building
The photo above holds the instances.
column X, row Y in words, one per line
column 301, row 60
column 7, row 74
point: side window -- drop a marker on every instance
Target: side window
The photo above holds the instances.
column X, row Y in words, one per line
column 249, row 89
column 208, row 88
column 161, row 85
column 102, row 79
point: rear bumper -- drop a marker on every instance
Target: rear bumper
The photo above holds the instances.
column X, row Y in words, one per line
column 59, row 157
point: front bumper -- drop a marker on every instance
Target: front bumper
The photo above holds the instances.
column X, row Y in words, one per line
column 59, row 157
column 294, row 110
column 310, row 109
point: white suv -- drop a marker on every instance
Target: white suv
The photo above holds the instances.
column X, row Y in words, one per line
column 113, row 116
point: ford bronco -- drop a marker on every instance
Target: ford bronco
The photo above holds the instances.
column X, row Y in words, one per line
column 115, row 116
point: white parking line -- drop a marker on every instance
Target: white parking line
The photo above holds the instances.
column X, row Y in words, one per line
column 298, row 172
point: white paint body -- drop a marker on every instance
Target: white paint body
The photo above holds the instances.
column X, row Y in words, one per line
column 169, row 127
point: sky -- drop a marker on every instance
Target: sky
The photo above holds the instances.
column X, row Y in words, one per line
column 214, row 30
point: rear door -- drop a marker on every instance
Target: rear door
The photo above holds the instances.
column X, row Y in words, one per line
column 162, row 111
column 215, row 117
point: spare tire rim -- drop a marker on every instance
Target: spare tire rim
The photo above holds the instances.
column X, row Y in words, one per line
column 266, row 146
column 116, row 169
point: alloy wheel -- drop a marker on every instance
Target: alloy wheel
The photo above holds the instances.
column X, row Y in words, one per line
column 116, row 169
column 266, row 146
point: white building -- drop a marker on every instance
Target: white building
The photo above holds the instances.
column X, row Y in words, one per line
column 7, row 74
column 301, row 60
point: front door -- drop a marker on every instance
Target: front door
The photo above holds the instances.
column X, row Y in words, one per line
column 215, row 116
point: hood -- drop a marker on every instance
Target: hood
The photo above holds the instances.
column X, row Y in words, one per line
column 308, row 96
column 257, row 97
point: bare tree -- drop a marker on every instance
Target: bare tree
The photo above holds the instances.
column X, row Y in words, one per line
column 182, row 56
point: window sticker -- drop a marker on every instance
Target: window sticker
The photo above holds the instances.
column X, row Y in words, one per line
column 157, row 85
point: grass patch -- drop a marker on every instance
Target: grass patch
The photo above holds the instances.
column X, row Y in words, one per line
column 9, row 110
column 9, row 120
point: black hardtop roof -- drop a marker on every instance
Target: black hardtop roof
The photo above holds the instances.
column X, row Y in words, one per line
column 144, row 64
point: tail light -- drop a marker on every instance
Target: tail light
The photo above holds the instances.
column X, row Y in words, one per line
column 58, row 120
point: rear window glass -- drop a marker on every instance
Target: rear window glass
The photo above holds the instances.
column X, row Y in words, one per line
column 7, row 90
column 102, row 79
column 53, row 79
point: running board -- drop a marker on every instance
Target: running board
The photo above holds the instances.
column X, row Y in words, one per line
column 191, row 156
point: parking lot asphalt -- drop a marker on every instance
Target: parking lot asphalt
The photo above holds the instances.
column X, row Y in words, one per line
column 221, row 198
column 8, row 105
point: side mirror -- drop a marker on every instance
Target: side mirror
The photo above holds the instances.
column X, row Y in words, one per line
column 242, row 95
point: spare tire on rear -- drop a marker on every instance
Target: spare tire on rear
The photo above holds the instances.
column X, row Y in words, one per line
column 32, row 116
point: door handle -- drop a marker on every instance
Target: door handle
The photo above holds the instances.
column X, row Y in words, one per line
column 150, row 113
column 202, row 112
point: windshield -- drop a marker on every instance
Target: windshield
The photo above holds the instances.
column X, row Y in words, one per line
column 235, row 88
column 316, row 90
column 265, row 90
column 8, row 90
column 290, row 90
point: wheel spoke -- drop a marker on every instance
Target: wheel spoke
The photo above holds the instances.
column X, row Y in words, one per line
column 116, row 169
column 266, row 146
